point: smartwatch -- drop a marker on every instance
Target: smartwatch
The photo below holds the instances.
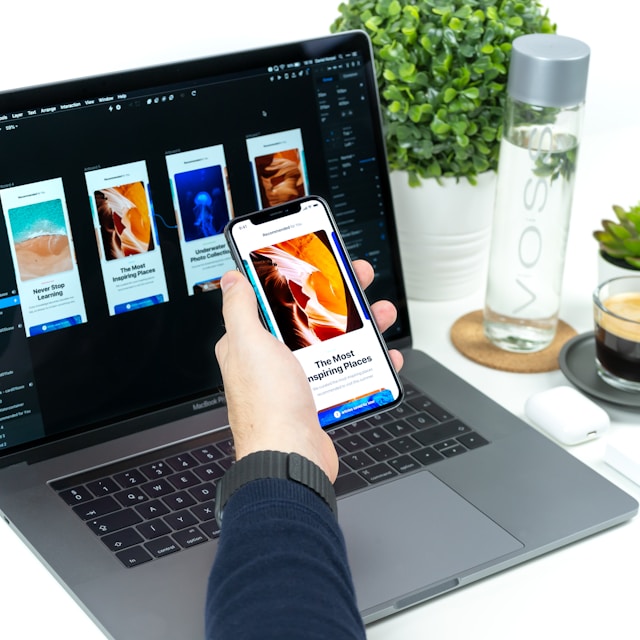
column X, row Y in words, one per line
column 274, row 464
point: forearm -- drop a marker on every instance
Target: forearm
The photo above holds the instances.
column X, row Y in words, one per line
column 281, row 569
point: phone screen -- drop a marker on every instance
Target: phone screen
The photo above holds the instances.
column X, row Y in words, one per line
column 310, row 300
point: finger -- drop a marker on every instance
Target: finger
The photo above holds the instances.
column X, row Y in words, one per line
column 397, row 359
column 221, row 349
column 384, row 314
column 364, row 272
column 239, row 306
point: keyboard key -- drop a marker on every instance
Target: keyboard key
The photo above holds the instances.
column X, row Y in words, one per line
column 376, row 435
column 347, row 483
column 205, row 511
column 427, row 456
column 422, row 403
column 445, row 444
column 409, row 390
column 183, row 480
column 103, row 487
column 456, row 450
column 422, row 420
column 378, row 473
column 379, row 419
column 133, row 556
column 438, row 412
column 357, row 460
column 355, row 427
column 203, row 492
column 96, row 508
column 122, row 539
column 162, row 547
column 398, row 428
column 343, row 469
column 152, row 509
column 405, row 464
column 76, row 495
column 226, row 446
column 184, row 461
column 114, row 521
column 131, row 497
column 207, row 454
column 210, row 471
column 226, row 463
column 189, row 537
column 441, row 432
column 130, row 478
column 472, row 440
column 179, row 500
column 154, row 528
column 210, row 528
column 402, row 411
column 353, row 443
column 156, row 470
column 181, row 519
column 405, row 445
column 340, row 432
column 381, row 452
column 158, row 488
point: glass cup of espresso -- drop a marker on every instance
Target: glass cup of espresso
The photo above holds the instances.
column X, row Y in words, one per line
column 616, row 308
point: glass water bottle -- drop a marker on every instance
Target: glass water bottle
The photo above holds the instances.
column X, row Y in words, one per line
column 536, row 173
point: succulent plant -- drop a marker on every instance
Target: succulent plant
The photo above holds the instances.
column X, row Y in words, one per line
column 442, row 72
column 620, row 240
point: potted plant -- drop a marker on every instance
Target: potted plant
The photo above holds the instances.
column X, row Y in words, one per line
column 442, row 68
column 619, row 243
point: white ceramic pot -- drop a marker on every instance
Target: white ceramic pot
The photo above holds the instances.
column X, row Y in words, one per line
column 608, row 270
column 444, row 233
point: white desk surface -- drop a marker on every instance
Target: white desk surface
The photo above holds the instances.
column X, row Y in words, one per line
column 587, row 590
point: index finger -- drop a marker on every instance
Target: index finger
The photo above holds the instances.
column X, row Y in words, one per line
column 364, row 272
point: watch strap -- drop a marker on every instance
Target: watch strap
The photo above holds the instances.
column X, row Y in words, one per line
column 274, row 464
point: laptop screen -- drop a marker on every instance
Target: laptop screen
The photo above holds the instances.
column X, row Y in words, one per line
column 114, row 192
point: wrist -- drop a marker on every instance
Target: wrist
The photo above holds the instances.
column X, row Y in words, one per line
column 274, row 464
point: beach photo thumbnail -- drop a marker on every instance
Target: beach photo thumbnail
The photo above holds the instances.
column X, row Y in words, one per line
column 40, row 239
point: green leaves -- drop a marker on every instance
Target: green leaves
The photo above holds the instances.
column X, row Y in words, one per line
column 442, row 71
column 621, row 240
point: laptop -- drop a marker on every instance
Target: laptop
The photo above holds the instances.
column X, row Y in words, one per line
column 114, row 192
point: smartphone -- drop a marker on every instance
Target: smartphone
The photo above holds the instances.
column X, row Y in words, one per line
column 310, row 299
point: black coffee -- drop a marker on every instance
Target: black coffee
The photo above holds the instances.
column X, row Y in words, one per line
column 618, row 356
column 618, row 341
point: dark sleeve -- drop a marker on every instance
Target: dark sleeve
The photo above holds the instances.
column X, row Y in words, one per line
column 281, row 568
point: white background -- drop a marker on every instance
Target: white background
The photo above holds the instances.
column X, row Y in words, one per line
column 585, row 591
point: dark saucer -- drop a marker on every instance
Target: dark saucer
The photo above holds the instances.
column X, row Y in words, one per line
column 577, row 362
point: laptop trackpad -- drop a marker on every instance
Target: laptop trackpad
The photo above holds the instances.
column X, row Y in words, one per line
column 414, row 533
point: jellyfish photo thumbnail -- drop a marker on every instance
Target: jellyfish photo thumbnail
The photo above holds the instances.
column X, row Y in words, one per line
column 202, row 202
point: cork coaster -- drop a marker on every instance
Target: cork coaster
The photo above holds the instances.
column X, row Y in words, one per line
column 468, row 337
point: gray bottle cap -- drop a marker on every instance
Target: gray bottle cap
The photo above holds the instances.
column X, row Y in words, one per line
column 548, row 70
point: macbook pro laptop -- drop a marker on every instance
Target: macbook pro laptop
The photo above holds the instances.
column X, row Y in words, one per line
column 114, row 192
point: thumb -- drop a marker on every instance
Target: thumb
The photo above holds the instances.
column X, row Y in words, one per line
column 239, row 305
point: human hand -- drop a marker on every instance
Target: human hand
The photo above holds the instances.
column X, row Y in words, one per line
column 269, row 399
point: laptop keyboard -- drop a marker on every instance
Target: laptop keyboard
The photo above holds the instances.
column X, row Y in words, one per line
column 153, row 505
